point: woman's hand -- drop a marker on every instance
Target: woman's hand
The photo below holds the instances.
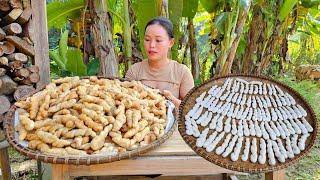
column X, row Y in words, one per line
column 172, row 98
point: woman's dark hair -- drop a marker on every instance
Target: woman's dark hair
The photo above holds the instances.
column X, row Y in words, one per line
column 164, row 22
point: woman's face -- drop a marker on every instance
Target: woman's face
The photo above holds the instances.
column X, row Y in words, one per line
column 157, row 42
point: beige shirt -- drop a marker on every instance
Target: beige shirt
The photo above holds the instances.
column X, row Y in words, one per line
column 174, row 77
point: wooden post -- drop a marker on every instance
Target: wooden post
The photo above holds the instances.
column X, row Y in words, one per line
column 40, row 37
column 276, row 175
column 4, row 160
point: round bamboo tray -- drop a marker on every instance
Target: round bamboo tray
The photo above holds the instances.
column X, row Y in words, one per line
column 242, row 166
column 72, row 159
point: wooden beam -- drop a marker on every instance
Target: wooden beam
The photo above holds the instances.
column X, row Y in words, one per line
column 41, row 45
column 276, row 175
column 5, row 163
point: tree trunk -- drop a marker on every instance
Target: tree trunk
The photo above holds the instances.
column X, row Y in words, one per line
column 193, row 51
column 104, row 49
column 127, row 35
column 239, row 28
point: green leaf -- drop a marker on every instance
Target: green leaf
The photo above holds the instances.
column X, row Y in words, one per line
column 54, row 55
column 145, row 10
column 190, row 8
column 63, row 46
column 210, row 5
column 286, row 8
column 197, row 82
column 221, row 21
column 58, row 12
column 93, row 67
column 75, row 62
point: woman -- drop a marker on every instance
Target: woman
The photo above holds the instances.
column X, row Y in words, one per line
column 172, row 78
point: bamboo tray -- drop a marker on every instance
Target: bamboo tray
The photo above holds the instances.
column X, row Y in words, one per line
column 239, row 165
column 9, row 126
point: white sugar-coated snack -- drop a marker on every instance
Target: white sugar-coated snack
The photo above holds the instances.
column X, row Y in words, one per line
column 246, row 150
column 243, row 100
column 196, row 132
column 201, row 97
column 271, row 158
column 284, row 113
column 213, row 105
column 202, row 117
column 302, row 141
column 202, row 138
column 277, row 152
column 274, row 103
column 292, row 112
column 194, row 109
column 227, row 125
column 270, row 131
column 239, row 99
column 265, row 90
column 217, row 107
column 242, row 86
column 259, row 102
column 287, row 100
column 220, row 93
column 197, row 114
column 302, row 111
column 250, row 113
column 214, row 121
column 280, row 92
column 274, row 90
column 209, row 102
column 230, row 146
column 235, row 97
column 289, row 148
column 229, row 85
column 282, row 149
column 278, row 100
column 283, row 101
column 214, row 143
column 251, row 89
column 252, row 128
column 295, row 126
column 257, row 129
column 216, row 91
column 280, row 117
column 210, row 139
column 264, row 102
column 239, row 114
column 297, row 111
column 229, row 98
column 264, row 132
column 268, row 114
column 225, row 95
column 240, row 128
column 283, row 135
column 236, row 152
column 235, row 112
column 260, row 89
column 254, row 102
column 246, row 89
column 223, row 107
column 274, row 116
column 263, row 152
column 224, row 145
column 206, row 121
column 234, row 130
column 254, row 149
column 270, row 92
column 289, row 126
column 307, row 125
column 293, row 102
column 210, row 91
column 285, row 129
column 225, row 111
column 219, row 127
column 289, row 115
column 256, row 89
column 246, row 130
column 248, row 103
column 294, row 144
column 274, row 128
column 205, row 100
column 268, row 101
column 230, row 111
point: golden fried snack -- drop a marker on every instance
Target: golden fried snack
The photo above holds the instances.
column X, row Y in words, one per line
column 90, row 123
column 26, row 121
column 98, row 141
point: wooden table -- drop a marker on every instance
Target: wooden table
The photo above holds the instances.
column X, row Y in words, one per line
column 173, row 158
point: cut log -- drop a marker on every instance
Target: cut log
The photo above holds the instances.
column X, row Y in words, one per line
column 12, row 16
column 18, row 57
column 28, row 40
column 28, row 31
column 26, row 4
column 23, row 91
column 33, row 69
column 25, row 16
column 8, row 86
column 4, row 6
column 5, row 104
column 1, row 50
column 2, row 34
column 15, row 65
column 18, row 79
column 4, row 61
column 8, row 48
column 13, row 29
column 23, row 73
column 2, row 71
column 34, row 77
column 16, row 4
column 21, row 45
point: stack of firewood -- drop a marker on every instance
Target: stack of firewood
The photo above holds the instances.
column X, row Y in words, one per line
column 17, row 74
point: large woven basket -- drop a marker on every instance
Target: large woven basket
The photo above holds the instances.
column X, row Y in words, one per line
column 240, row 165
column 76, row 160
